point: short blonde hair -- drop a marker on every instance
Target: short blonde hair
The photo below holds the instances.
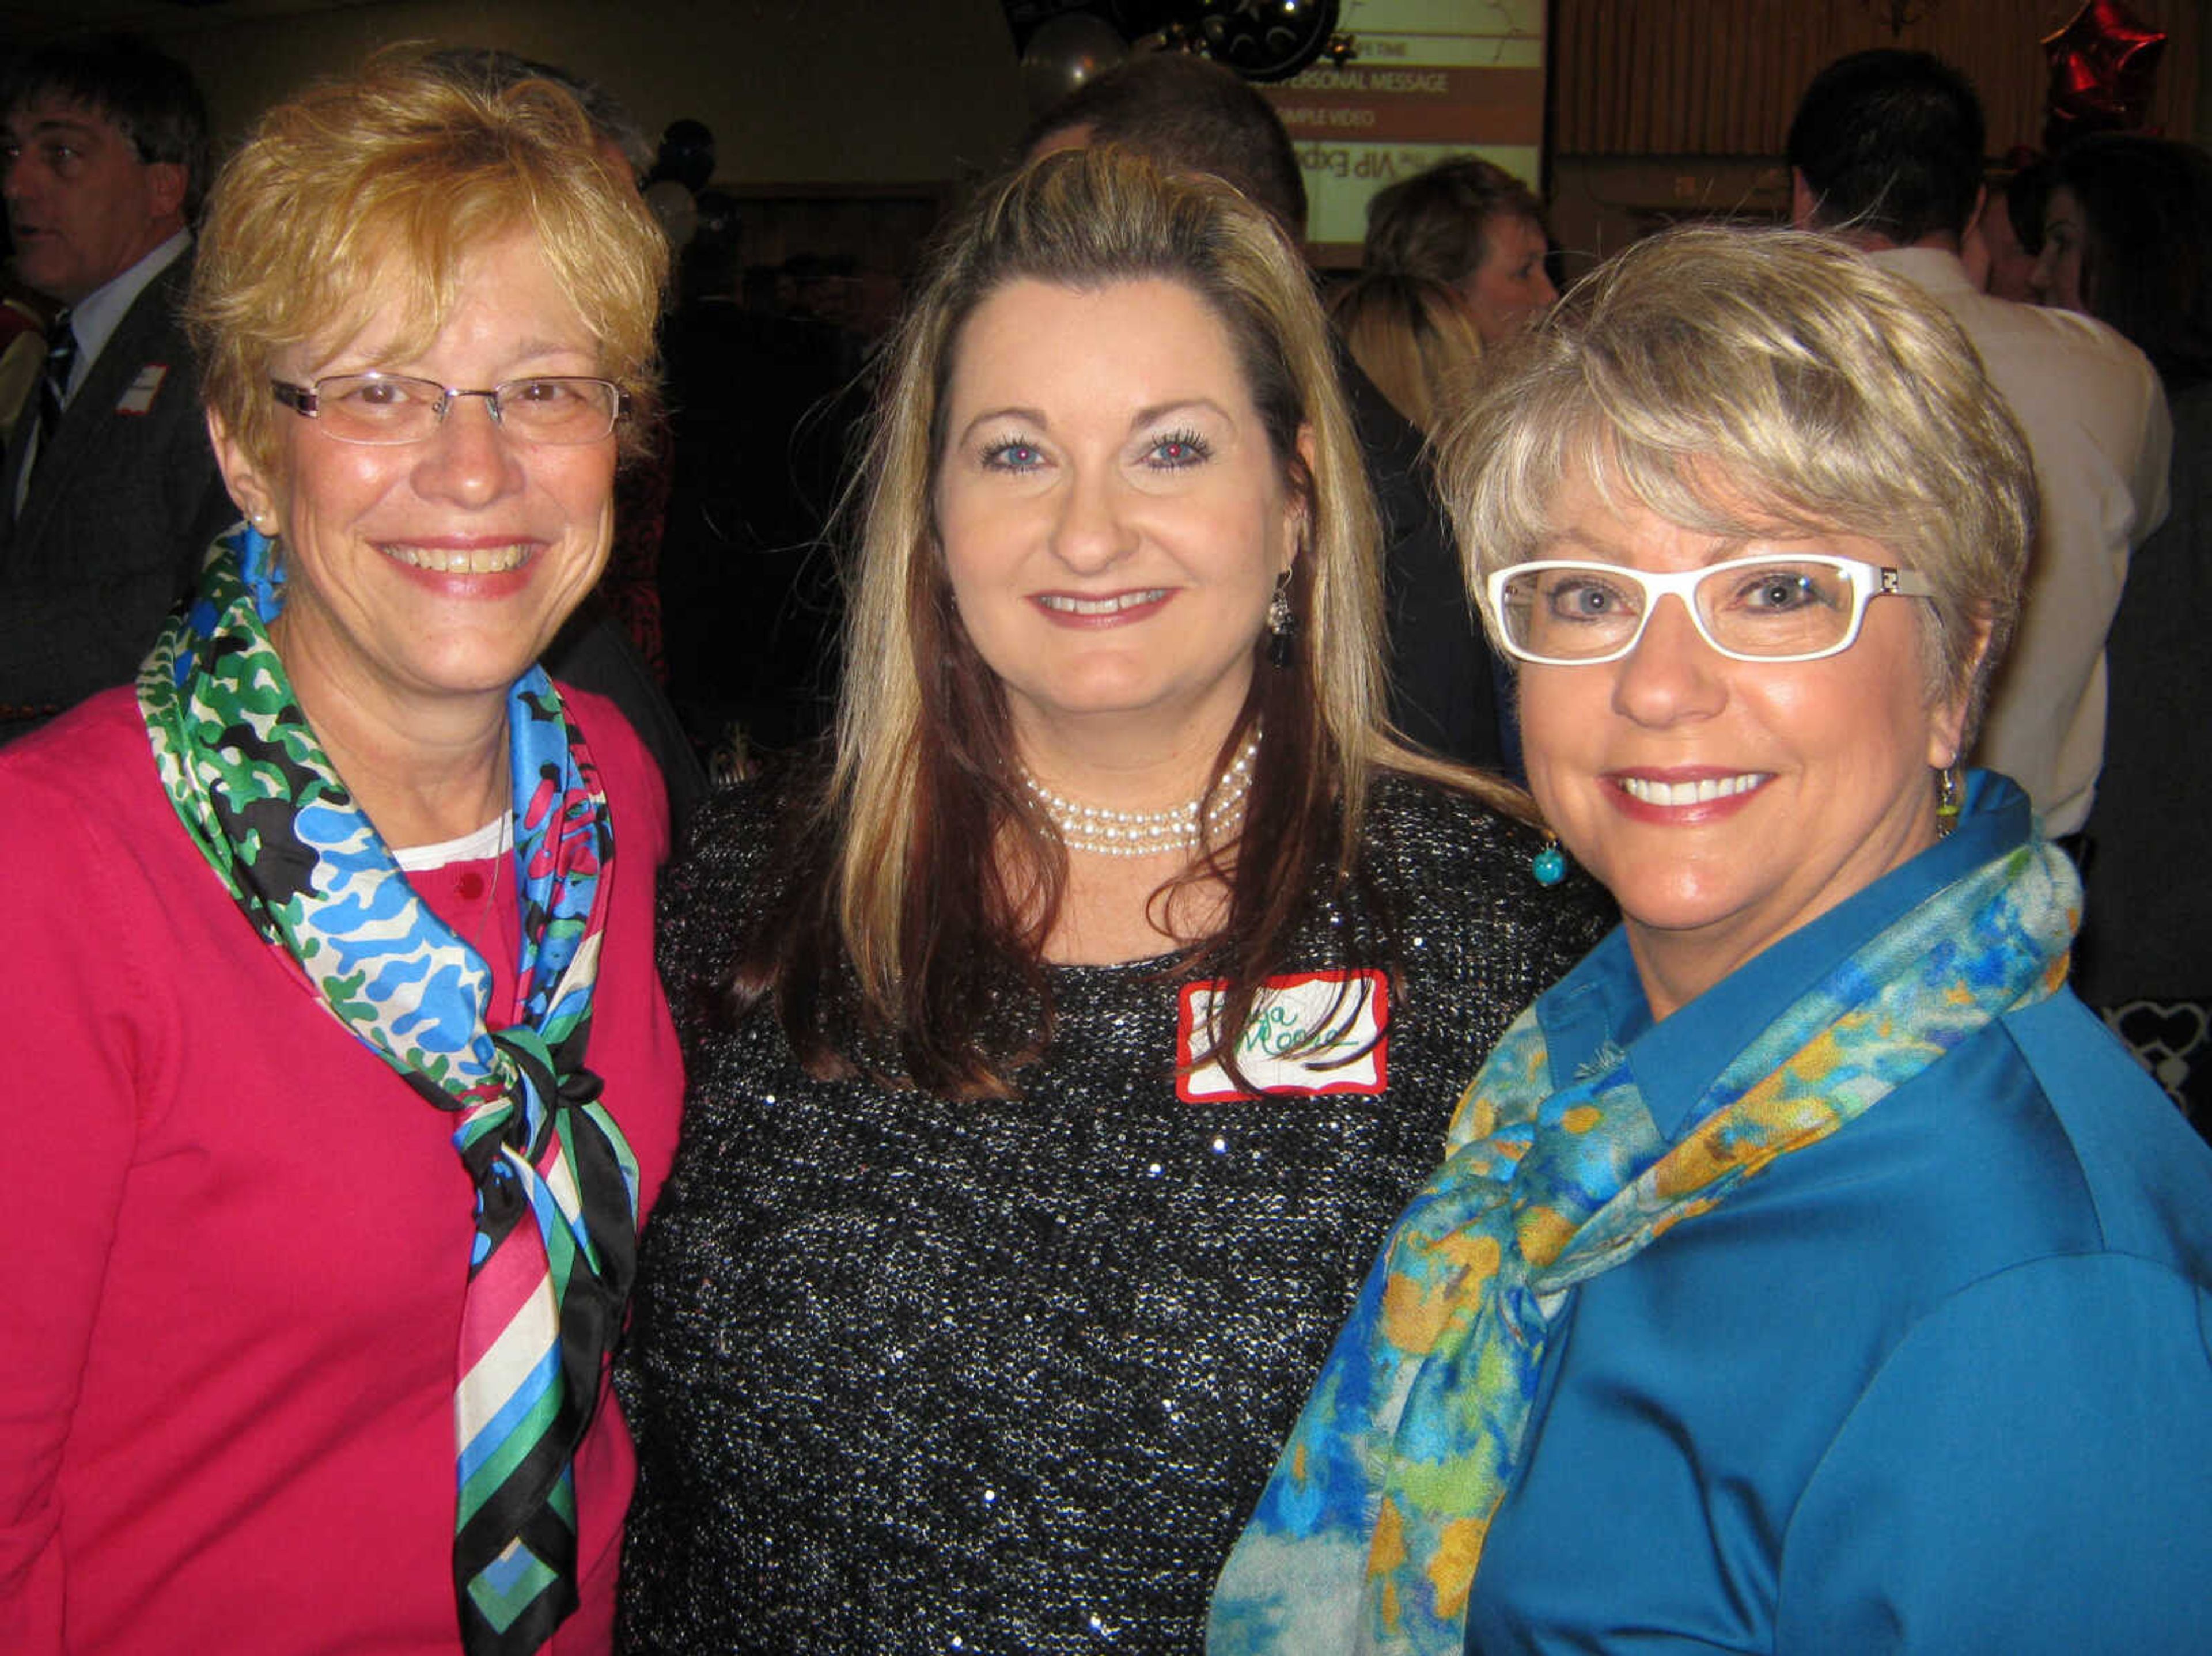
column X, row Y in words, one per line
column 1761, row 382
column 1414, row 338
column 367, row 187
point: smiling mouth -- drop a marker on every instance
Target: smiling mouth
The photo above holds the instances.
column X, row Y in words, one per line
column 1067, row 604
column 461, row 561
column 1703, row 791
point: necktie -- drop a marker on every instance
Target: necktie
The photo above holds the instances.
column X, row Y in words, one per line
column 53, row 390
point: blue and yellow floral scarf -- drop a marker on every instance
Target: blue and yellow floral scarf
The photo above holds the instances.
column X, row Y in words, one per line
column 555, row 1184
column 1369, row 1535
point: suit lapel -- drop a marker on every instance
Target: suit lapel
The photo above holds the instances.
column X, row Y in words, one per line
column 113, row 372
column 13, row 470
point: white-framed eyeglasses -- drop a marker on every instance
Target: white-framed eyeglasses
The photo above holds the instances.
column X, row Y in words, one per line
column 396, row 408
column 1773, row 609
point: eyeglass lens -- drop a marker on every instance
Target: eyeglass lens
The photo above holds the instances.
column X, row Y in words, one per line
column 1768, row 609
column 391, row 408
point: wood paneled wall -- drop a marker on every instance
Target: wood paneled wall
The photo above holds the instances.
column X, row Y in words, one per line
column 1722, row 77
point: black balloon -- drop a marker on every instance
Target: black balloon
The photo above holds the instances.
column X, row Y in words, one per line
column 687, row 155
column 1260, row 40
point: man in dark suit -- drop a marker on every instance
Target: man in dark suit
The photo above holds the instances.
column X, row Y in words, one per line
column 110, row 493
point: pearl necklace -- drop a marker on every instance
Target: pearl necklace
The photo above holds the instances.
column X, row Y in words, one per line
column 1147, row 833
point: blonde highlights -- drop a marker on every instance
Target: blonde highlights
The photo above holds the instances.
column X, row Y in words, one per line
column 936, row 868
column 1414, row 338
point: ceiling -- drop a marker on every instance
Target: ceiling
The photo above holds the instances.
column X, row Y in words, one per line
column 32, row 19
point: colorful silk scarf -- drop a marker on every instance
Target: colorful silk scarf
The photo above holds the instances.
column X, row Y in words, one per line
column 1370, row 1532
column 555, row 1183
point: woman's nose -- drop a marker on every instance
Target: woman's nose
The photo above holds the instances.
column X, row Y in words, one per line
column 1671, row 674
column 469, row 458
column 1093, row 529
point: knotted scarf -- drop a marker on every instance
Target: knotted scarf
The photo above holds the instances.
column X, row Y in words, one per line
column 555, row 1184
column 1369, row 1534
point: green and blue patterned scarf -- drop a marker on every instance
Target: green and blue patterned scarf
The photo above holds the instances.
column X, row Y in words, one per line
column 555, row 1184
column 1369, row 1535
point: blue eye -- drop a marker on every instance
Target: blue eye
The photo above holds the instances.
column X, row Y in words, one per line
column 1177, row 450
column 1012, row 454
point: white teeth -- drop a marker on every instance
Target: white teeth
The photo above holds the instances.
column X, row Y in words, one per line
column 1701, row 793
column 1121, row 600
column 473, row 561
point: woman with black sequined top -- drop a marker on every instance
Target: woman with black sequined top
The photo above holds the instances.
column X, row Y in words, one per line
column 1065, row 1053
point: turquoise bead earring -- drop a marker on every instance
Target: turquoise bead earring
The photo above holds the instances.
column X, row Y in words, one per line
column 1549, row 866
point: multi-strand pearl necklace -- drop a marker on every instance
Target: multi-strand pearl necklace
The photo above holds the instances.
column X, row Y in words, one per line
column 1147, row 833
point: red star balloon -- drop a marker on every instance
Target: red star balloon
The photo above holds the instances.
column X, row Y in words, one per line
column 2104, row 65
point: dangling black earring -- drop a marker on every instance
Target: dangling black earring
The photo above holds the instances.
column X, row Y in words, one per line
column 1282, row 623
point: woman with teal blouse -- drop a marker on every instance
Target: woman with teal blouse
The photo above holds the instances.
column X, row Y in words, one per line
column 1809, row 1270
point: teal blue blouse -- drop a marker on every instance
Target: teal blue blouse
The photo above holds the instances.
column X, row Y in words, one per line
column 1938, row 1383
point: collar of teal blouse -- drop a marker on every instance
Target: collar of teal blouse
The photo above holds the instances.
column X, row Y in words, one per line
column 1676, row 1060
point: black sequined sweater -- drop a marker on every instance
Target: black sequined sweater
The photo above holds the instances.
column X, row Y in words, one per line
column 1005, row 1377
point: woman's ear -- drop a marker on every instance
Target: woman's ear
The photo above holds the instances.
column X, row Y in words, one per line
column 252, row 493
column 1298, row 522
column 1946, row 719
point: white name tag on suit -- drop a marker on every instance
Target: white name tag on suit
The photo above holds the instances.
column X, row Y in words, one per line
column 1310, row 1033
column 138, row 396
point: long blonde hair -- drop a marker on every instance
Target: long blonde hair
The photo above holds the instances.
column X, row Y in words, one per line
column 934, row 878
column 1414, row 338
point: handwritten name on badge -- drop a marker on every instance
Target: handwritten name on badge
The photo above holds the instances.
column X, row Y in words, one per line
column 1312, row 1032
column 138, row 396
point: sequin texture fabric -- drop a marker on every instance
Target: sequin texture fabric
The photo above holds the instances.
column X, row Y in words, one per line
column 911, row 1375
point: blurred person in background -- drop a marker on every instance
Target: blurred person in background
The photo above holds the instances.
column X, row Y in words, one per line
column 2128, row 239
column 1413, row 339
column 109, row 494
column 1474, row 227
column 1886, row 155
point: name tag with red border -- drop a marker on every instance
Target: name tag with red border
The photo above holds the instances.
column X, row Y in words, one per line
column 1310, row 1033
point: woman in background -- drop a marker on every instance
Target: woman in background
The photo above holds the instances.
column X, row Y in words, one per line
column 2128, row 239
column 1413, row 339
column 340, row 1078
column 1475, row 227
column 1811, row 1271
column 1065, row 1053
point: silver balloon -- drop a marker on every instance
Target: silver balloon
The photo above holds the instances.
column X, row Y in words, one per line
column 1065, row 52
